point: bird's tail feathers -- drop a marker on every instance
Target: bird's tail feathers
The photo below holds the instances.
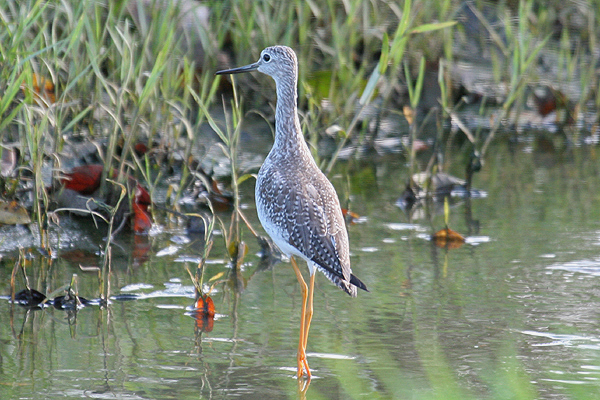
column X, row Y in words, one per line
column 358, row 283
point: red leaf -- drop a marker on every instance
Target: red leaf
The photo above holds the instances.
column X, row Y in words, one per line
column 84, row 179
column 204, row 323
column 141, row 197
column 205, row 305
column 141, row 249
column 140, row 149
column 205, row 314
column 141, row 219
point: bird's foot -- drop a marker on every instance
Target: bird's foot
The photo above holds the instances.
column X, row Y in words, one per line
column 303, row 364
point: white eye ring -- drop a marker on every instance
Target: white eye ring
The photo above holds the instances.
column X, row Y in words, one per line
column 266, row 58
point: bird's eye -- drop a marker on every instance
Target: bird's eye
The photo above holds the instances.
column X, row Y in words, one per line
column 267, row 58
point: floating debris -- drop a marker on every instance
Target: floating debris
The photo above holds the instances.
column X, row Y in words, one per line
column 448, row 239
column 30, row 298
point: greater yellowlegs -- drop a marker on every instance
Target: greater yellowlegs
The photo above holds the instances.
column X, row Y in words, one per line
column 296, row 204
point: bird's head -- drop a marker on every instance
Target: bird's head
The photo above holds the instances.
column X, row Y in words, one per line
column 275, row 61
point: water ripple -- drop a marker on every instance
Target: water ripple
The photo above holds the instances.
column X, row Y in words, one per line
column 396, row 226
column 588, row 267
column 566, row 340
column 169, row 250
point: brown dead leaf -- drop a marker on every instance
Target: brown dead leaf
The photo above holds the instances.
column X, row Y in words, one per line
column 408, row 114
column 447, row 238
column 43, row 89
column 12, row 213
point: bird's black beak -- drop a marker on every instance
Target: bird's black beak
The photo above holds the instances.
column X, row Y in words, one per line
column 239, row 70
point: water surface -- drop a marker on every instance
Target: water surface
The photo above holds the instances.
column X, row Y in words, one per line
column 511, row 314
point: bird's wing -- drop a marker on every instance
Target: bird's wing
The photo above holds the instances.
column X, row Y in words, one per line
column 316, row 228
column 308, row 214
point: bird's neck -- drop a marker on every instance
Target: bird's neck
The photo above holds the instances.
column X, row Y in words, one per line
column 289, row 141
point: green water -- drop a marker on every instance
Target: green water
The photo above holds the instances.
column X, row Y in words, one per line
column 514, row 315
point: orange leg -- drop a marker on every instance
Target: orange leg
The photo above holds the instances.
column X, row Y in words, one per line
column 309, row 309
column 301, row 358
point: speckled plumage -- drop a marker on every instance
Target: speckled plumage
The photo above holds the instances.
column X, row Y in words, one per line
column 296, row 203
column 299, row 209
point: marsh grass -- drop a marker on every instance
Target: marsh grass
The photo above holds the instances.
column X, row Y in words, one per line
column 117, row 83
column 110, row 86
column 232, row 233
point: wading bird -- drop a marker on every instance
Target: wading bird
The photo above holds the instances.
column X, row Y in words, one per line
column 296, row 204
